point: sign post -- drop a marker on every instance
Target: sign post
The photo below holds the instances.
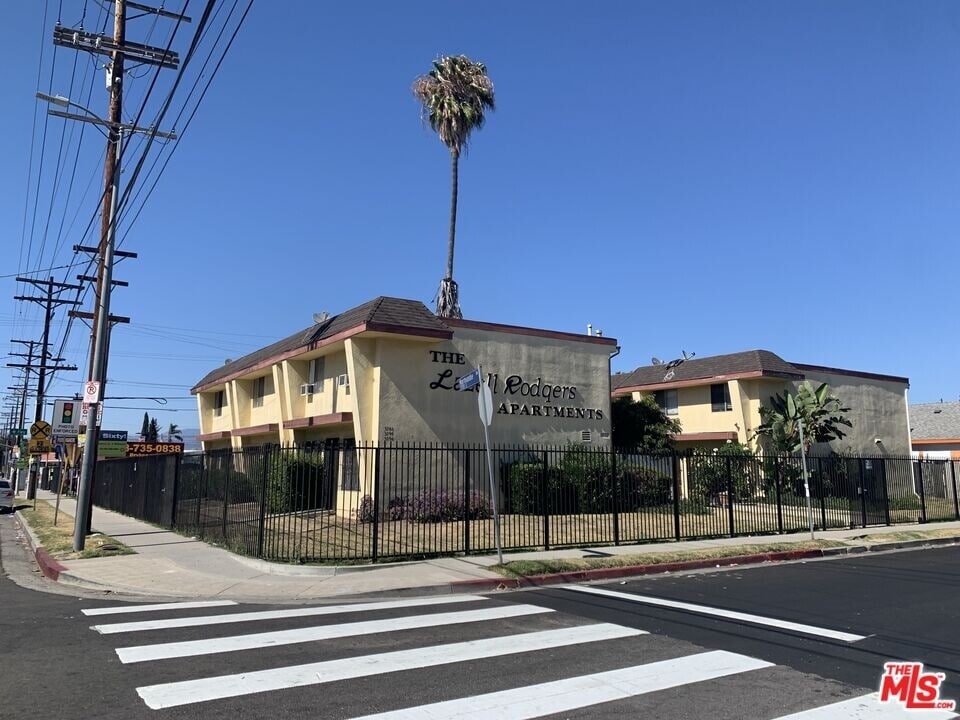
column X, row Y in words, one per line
column 485, row 406
column 806, row 477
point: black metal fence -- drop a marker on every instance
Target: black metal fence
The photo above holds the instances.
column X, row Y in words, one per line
column 343, row 503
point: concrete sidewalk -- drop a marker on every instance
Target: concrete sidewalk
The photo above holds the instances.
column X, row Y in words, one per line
column 170, row 565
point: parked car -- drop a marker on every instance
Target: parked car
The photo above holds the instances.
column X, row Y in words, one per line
column 6, row 496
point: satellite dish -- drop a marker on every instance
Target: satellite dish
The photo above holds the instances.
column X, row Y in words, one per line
column 656, row 361
column 321, row 317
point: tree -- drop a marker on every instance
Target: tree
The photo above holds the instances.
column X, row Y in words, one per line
column 145, row 428
column 153, row 432
column 455, row 96
column 822, row 414
column 642, row 425
column 174, row 433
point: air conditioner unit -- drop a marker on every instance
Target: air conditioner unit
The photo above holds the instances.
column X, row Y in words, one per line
column 343, row 380
column 307, row 389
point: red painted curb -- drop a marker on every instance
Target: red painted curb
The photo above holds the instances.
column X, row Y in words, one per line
column 48, row 566
column 630, row 571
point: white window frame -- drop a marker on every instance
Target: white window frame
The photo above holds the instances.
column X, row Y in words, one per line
column 316, row 372
column 667, row 408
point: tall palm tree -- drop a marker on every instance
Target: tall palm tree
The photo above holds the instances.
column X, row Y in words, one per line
column 174, row 433
column 455, row 95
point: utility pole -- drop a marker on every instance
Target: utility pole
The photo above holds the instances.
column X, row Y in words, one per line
column 23, row 399
column 117, row 48
column 41, row 369
column 49, row 301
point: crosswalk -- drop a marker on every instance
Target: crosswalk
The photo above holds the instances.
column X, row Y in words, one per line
column 457, row 656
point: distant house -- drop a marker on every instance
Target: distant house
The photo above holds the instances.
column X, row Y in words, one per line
column 718, row 399
column 935, row 430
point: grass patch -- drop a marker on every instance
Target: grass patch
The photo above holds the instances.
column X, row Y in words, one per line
column 58, row 539
column 901, row 535
column 523, row 568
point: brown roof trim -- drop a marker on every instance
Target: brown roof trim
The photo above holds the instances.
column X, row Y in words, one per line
column 700, row 436
column 257, row 430
column 853, row 373
column 533, row 332
column 323, row 342
column 329, row 419
column 708, row 380
column 221, row 435
column 935, row 441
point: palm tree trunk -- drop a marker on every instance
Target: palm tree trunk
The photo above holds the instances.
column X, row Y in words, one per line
column 455, row 158
column 448, row 299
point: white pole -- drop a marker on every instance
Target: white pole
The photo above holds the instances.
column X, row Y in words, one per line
column 493, row 489
column 806, row 477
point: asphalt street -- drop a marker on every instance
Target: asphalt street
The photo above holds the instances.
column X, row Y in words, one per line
column 560, row 653
column 903, row 602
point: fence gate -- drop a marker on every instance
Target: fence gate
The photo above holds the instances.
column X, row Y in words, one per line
column 868, row 501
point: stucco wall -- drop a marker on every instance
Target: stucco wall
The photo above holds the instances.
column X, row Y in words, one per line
column 878, row 410
column 418, row 401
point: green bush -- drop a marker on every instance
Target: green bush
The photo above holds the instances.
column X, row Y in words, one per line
column 525, row 488
column 644, row 487
column 730, row 468
column 295, row 482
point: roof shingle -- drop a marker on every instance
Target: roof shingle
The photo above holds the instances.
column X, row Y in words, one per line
column 749, row 361
column 385, row 312
column 939, row 421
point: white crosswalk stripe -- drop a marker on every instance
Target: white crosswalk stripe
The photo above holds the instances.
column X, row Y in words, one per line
column 202, row 621
column 193, row 605
column 867, row 707
column 224, row 686
column 564, row 695
column 233, row 643
column 450, row 634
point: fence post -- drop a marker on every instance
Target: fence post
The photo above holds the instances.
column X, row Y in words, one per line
column 823, row 503
column 466, row 500
column 953, row 481
column 264, row 485
column 615, row 492
column 886, row 493
column 376, row 503
column 178, row 461
column 863, row 495
column 675, row 472
column 923, row 496
column 730, row 496
column 201, row 489
column 545, row 499
column 776, row 489
column 226, row 498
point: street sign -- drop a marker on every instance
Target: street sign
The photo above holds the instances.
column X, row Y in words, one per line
column 112, row 443
column 66, row 418
column 485, row 404
column 41, row 430
column 88, row 411
column 22, row 464
column 39, row 446
column 20, row 432
column 91, row 392
column 469, row 381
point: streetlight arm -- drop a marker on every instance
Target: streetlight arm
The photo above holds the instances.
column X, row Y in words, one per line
column 67, row 102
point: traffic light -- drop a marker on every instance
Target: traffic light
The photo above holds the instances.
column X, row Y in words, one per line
column 66, row 417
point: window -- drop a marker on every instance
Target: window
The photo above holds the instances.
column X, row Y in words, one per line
column 316, row 374
column 259, row 390
column 720, row 397
column 668, row 402
column 218, row 403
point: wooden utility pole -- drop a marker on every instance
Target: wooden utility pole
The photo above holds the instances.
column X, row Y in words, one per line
column 117, row 48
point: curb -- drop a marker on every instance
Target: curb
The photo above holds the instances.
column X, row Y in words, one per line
column 48, row 566
column 661, row 568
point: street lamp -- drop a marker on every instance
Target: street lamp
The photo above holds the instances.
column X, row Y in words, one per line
column 98, row 361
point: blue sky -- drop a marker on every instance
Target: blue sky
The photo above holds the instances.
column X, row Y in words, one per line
column 700, row 176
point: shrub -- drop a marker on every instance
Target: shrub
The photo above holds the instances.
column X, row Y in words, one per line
column 525, row 488
column 364, row 510
column 585, row 481
column 443, row 506
column 295, row 481
column 726, row 469
column 644, row 487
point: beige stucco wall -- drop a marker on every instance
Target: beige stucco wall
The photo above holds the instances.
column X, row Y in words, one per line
column 878, row 410
column 418, row 402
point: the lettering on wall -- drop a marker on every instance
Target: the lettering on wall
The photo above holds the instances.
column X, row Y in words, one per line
column 535, row 397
